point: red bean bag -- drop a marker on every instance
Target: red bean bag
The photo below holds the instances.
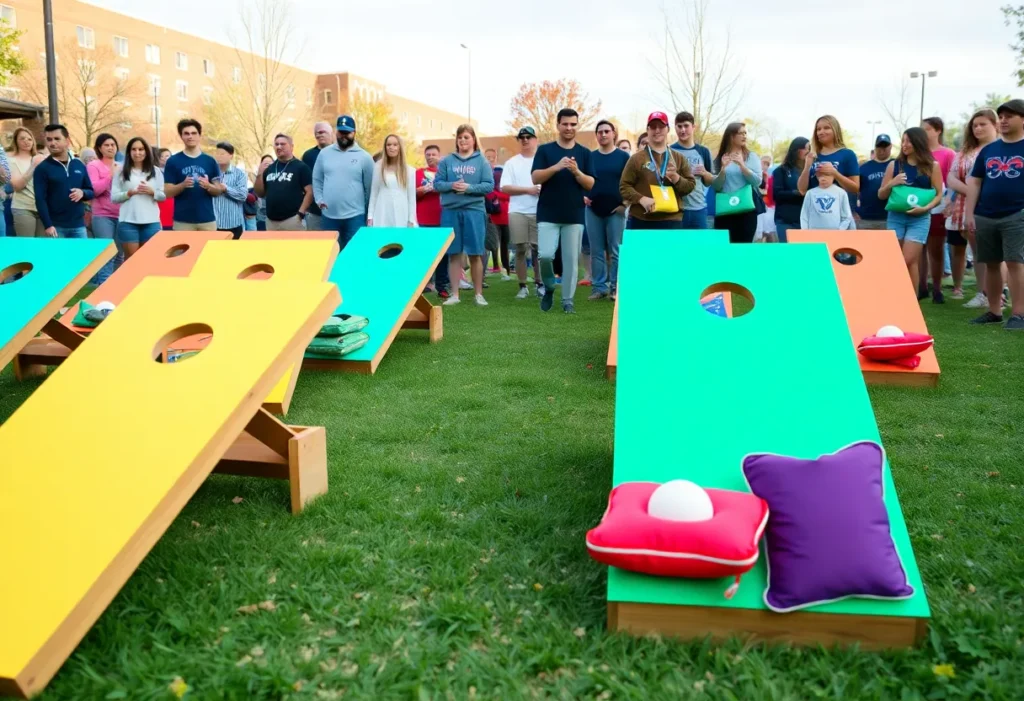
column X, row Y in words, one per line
column 900, row 350
column 722, row 546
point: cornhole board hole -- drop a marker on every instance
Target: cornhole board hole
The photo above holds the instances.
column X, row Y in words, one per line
column 255, row 259
column 78, row 514
column 168, row 254
column 876, row 292
column 381, row 274
column 52, row 271
column 655, row 238
column 817, row 386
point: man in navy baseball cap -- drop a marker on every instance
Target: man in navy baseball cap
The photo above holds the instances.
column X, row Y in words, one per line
column 347, row 124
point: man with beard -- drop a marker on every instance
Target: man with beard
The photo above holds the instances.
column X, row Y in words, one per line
column 324, row 138
column 341, row 183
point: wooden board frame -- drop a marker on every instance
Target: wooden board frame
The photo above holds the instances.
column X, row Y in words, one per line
column 876, row 293
column 298, row 454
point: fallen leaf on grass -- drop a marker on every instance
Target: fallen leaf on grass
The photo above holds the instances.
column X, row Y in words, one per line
column 939, row 435
column 349, row 669
column 993, row 474
column 943, row 670
column 328, row 633
column 196, row 524
column 971, row 589
column 354, row 623
column 551, row 399
column 297, row 686
column 306, row 619
column 460, row 479
column 256, row 651
column 244, row 661
column 580, row 632
column 267, row 605
column 537, row 586
column 329, row 665
column 253, row 608
column 308, row 652
column 178, row 687
column 237, row 500
column 936, row 536
column 359, row 595
column 272, row 579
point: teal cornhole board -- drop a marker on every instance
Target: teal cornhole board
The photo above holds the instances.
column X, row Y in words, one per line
column 60, row 268
column 658, row 237
column 802, row 399
column 383, row 289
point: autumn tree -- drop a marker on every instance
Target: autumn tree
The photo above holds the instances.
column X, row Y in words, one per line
column 11, row 62
column 259, row 97
column 696, row 71
column 93, row 95
column 537, row 105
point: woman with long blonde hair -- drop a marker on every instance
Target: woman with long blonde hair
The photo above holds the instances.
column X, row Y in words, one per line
column 23, row 161
column 393, row 190
column 833, row 157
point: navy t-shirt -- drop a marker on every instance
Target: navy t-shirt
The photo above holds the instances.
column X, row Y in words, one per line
column 193, row 205
column 561, row 197
column 845, row 161
column 871, row 175
column 999, row 166
column 604, row 196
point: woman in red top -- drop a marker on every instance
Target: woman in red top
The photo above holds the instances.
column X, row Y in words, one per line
column 936, row 259
column 766, row 221
column 166, row 205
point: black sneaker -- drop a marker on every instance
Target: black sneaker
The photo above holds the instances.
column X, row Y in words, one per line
column 922, row 293
column 938, row 297
column 549, row 298
column 1015, row 323
column 987, row 318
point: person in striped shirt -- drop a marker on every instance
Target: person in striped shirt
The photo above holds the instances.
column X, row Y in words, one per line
column 227, row 206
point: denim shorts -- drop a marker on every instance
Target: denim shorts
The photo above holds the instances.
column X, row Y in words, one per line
column 910, row 228
column 470, row 226
column 137, row 233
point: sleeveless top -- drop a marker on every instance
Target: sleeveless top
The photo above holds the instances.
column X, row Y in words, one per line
column 914, row 177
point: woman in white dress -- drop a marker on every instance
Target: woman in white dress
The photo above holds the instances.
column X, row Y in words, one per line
column 393, row 193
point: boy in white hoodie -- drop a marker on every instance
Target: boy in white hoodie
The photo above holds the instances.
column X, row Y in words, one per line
column 826, row 206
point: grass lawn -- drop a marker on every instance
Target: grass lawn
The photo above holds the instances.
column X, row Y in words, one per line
column 448, row 559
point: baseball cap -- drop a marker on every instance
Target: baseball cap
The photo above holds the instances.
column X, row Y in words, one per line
column 346, row 123
column 1016, row 106
column 527, row 131
column 883, row 140
column 660, row 116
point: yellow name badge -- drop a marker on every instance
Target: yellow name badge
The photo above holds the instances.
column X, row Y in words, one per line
column 664, row 199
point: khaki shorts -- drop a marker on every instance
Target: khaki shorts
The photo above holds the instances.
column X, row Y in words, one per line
column 1000, row 240
column 522, row 228
column 188, row 226
column 289, row 224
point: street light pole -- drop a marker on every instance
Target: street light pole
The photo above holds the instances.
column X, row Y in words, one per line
column 873, row 125
column 51, row 62
column 469, row 83
column 156, row 114
column 924, row 75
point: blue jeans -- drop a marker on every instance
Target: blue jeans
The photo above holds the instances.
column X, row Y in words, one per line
column 635, row 223
column 782, row 229
column 136, row 233
column 346, row 228
column 695, row 218
column 250, row 223
column 910, row 228
column 605, row 234
column 104, row 228
column 570, row 237
column 71, row 232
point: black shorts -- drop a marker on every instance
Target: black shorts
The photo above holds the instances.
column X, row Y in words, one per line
column 955, row 238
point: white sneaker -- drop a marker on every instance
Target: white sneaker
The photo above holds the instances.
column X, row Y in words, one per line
column 979, row 301
column 505, row 278
column 480, row 301
column 463, row 285
column 541, row 290
column 450, row 301
column 1006, row 297
column 523, row 293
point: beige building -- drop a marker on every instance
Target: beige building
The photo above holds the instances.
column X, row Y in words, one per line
column 174, row 73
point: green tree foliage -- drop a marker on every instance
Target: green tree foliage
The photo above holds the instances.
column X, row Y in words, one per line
column 11, row 62
column 1014, row 15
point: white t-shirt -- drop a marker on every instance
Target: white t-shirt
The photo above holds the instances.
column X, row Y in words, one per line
column 517, row 172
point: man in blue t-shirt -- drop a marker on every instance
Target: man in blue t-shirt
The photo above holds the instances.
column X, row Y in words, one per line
column 871, row 211
column 994, row 211
column 695, row 205
column 193, row 179
column 562, row 168
column 605, row 213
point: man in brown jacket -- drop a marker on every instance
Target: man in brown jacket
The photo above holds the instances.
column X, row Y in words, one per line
column 655, row 167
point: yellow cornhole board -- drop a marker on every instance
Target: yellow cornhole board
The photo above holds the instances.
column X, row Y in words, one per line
column 253, row 259
column 80, row 509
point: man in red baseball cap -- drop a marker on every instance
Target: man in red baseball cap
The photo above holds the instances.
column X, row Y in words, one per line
column 656, row 167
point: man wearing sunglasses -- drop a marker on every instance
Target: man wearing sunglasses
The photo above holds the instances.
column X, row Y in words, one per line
column 522, row 208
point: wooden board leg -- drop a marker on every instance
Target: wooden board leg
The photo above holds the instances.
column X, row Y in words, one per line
column 307, row 466
column 25, row 370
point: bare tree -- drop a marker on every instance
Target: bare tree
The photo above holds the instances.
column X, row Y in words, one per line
column 697, row 73
column 897, row 106
column 93, row 95
column 258, row 97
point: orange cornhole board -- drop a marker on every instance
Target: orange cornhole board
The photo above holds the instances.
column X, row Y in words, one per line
column 876, row 292
column 168, row 254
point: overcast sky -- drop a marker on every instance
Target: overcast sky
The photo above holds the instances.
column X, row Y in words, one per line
column 799, row 58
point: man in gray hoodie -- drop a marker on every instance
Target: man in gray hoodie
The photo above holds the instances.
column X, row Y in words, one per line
column 341, row 183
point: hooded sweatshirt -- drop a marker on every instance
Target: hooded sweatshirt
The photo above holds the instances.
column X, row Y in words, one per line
column 342, row 180
column 474, row 170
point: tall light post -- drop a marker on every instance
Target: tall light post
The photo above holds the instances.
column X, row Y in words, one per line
column 873, row 124
column 51, row 62
column 469, row 83
column 924, row 77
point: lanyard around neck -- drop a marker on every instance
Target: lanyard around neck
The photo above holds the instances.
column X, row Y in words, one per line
column 659, row 173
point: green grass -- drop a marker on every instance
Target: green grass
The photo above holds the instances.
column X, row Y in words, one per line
column 448, row 558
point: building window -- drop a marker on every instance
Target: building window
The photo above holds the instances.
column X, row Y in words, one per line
column 154, row 86
column 181, row 88
column 289, row 96
column 431, row 123
column 181, row 61
column 86, row 37
column 121, row 47
column 440, row 126
column 8, row 15
column 153, row 54
column 207, row 96
column 207, row 68
column 419, row 121
column 154, row 113
column 309, row 96
column 121, row 73
column 328, row 97
column 236, row 74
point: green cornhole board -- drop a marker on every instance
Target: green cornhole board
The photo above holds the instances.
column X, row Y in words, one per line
column 695, row 395
column 381, row 274
column 56, row 270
